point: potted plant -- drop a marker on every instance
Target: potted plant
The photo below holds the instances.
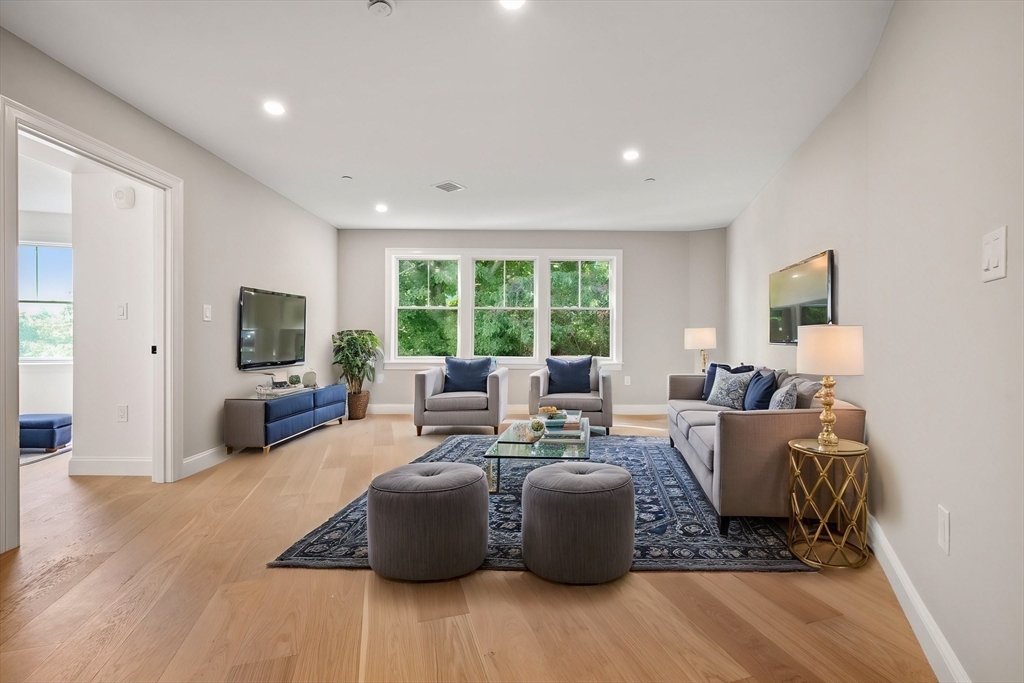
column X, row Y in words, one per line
column 357, row 352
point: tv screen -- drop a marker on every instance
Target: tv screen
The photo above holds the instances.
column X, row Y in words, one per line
column 271, row 329
column 800, row 295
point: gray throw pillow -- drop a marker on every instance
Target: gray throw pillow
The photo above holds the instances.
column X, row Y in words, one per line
column 805, row 390
column 784, row 398
column 729, row 389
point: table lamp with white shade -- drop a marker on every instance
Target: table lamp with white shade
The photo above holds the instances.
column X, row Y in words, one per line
column 829, row 350
column 702, row 338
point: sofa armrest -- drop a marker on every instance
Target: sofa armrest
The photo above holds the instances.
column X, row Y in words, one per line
column 752, row 455
column 604, row 388
column 426, row 383
column 497, row 394
column 685, row 387
column 538, row 388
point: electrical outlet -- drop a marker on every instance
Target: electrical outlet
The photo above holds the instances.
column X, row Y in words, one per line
column 627, row 380
column 122, row 311
column 207, row 313
column 993, row 255
column 122, row 413
column 944, row 529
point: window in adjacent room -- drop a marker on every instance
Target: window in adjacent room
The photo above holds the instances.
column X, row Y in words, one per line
column 428, row 308
column 581, row 308
column 44, row 302
column 504, row 308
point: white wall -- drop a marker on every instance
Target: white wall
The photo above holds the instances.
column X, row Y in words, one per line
column 44, row 227
column 237, row 232
column 923, row 157
column 114, row 263
column 45, row 387
column 658, row 288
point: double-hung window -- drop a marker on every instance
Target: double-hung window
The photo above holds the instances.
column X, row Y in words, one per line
column 428, row 308
column 45, row 311
column 581, row 312
column 504, row 308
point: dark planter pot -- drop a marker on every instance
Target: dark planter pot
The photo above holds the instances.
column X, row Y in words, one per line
column 357, row 403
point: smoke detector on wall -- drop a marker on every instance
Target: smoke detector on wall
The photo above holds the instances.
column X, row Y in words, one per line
column 124, row 197
column 382, row 8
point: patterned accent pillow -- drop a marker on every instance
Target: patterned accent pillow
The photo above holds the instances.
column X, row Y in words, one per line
column 784, row 398
column 729, row 389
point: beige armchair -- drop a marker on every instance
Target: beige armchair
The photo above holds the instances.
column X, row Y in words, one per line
column 596, row 405
column 435, row 407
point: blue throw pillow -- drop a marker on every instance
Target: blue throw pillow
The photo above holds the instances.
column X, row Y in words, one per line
column 569, row 376
column 759, row 392
column 709, row 380
column 461, row 374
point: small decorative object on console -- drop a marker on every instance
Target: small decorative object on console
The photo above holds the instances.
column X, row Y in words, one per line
column 294, row 380
column 309, row 379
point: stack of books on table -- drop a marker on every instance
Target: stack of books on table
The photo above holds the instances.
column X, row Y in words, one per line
column 564, row 426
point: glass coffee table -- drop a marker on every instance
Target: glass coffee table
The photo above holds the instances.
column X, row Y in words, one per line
column 516, row 444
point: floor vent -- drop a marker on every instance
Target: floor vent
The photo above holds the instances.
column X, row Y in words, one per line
column 449, row 186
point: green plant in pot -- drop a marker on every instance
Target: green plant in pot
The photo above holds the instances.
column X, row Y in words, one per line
column 357, row 352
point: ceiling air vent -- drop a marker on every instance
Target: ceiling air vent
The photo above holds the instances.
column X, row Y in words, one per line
column 449, row 186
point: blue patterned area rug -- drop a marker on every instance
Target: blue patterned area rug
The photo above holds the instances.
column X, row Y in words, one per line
column 676, row 526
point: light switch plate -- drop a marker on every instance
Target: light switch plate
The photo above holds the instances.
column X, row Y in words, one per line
column 944, row 529
column 993, row 255
column 207, row 313
column 122, row 311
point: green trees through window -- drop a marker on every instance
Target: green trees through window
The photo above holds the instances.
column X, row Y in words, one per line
column 45, row 311
column 580, row 308
column 428, row 308
column 503, row 317
column 510, row 312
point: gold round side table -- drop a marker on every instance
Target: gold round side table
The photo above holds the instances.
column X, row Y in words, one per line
column 828, row 503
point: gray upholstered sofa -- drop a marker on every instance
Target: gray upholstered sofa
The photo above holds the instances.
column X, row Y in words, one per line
column 596, row 405
column 435, row 407
column 741, row 457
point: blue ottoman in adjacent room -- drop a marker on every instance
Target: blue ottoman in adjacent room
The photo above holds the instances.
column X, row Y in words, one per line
column 45, row 430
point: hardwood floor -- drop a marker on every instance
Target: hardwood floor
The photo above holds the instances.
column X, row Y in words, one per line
column 120, row 579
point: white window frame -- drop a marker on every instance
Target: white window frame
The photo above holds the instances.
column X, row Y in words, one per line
column 48, row 360
column 467, row 258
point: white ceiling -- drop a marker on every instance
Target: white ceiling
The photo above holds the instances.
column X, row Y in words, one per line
column 530, row 110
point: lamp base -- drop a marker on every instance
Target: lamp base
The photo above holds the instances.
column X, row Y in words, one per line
column 704, row 361
column 827, row 396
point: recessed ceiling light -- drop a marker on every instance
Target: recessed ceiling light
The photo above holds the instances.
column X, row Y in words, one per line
column 631, row 155
column 381, row 208
column 512, row 4
column 346, row 177
column 273, row 108
column 649, row 180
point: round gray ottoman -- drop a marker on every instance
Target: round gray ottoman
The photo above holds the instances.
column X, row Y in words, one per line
column 427, row 521
column 578, row 522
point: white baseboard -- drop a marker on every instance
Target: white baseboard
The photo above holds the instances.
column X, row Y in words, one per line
column 110, row 467
column 944, row 662
column 201, row 461
column 641, row 409
column 516, row 409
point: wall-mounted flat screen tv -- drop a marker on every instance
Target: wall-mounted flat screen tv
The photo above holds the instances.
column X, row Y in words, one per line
column 800, row 295
column 271, row 329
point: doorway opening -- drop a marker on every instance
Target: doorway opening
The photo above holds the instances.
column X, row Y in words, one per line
column 91, row 347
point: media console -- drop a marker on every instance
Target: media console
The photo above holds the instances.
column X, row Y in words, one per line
column 265, row 421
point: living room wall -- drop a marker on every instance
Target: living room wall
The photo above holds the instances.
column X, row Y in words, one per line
column 672, row 280
column 236, row 232
column 920, row 160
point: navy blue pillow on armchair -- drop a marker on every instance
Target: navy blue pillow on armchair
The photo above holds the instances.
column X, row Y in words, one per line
column 759, row 392
column 461, row 374
column 569, row 376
